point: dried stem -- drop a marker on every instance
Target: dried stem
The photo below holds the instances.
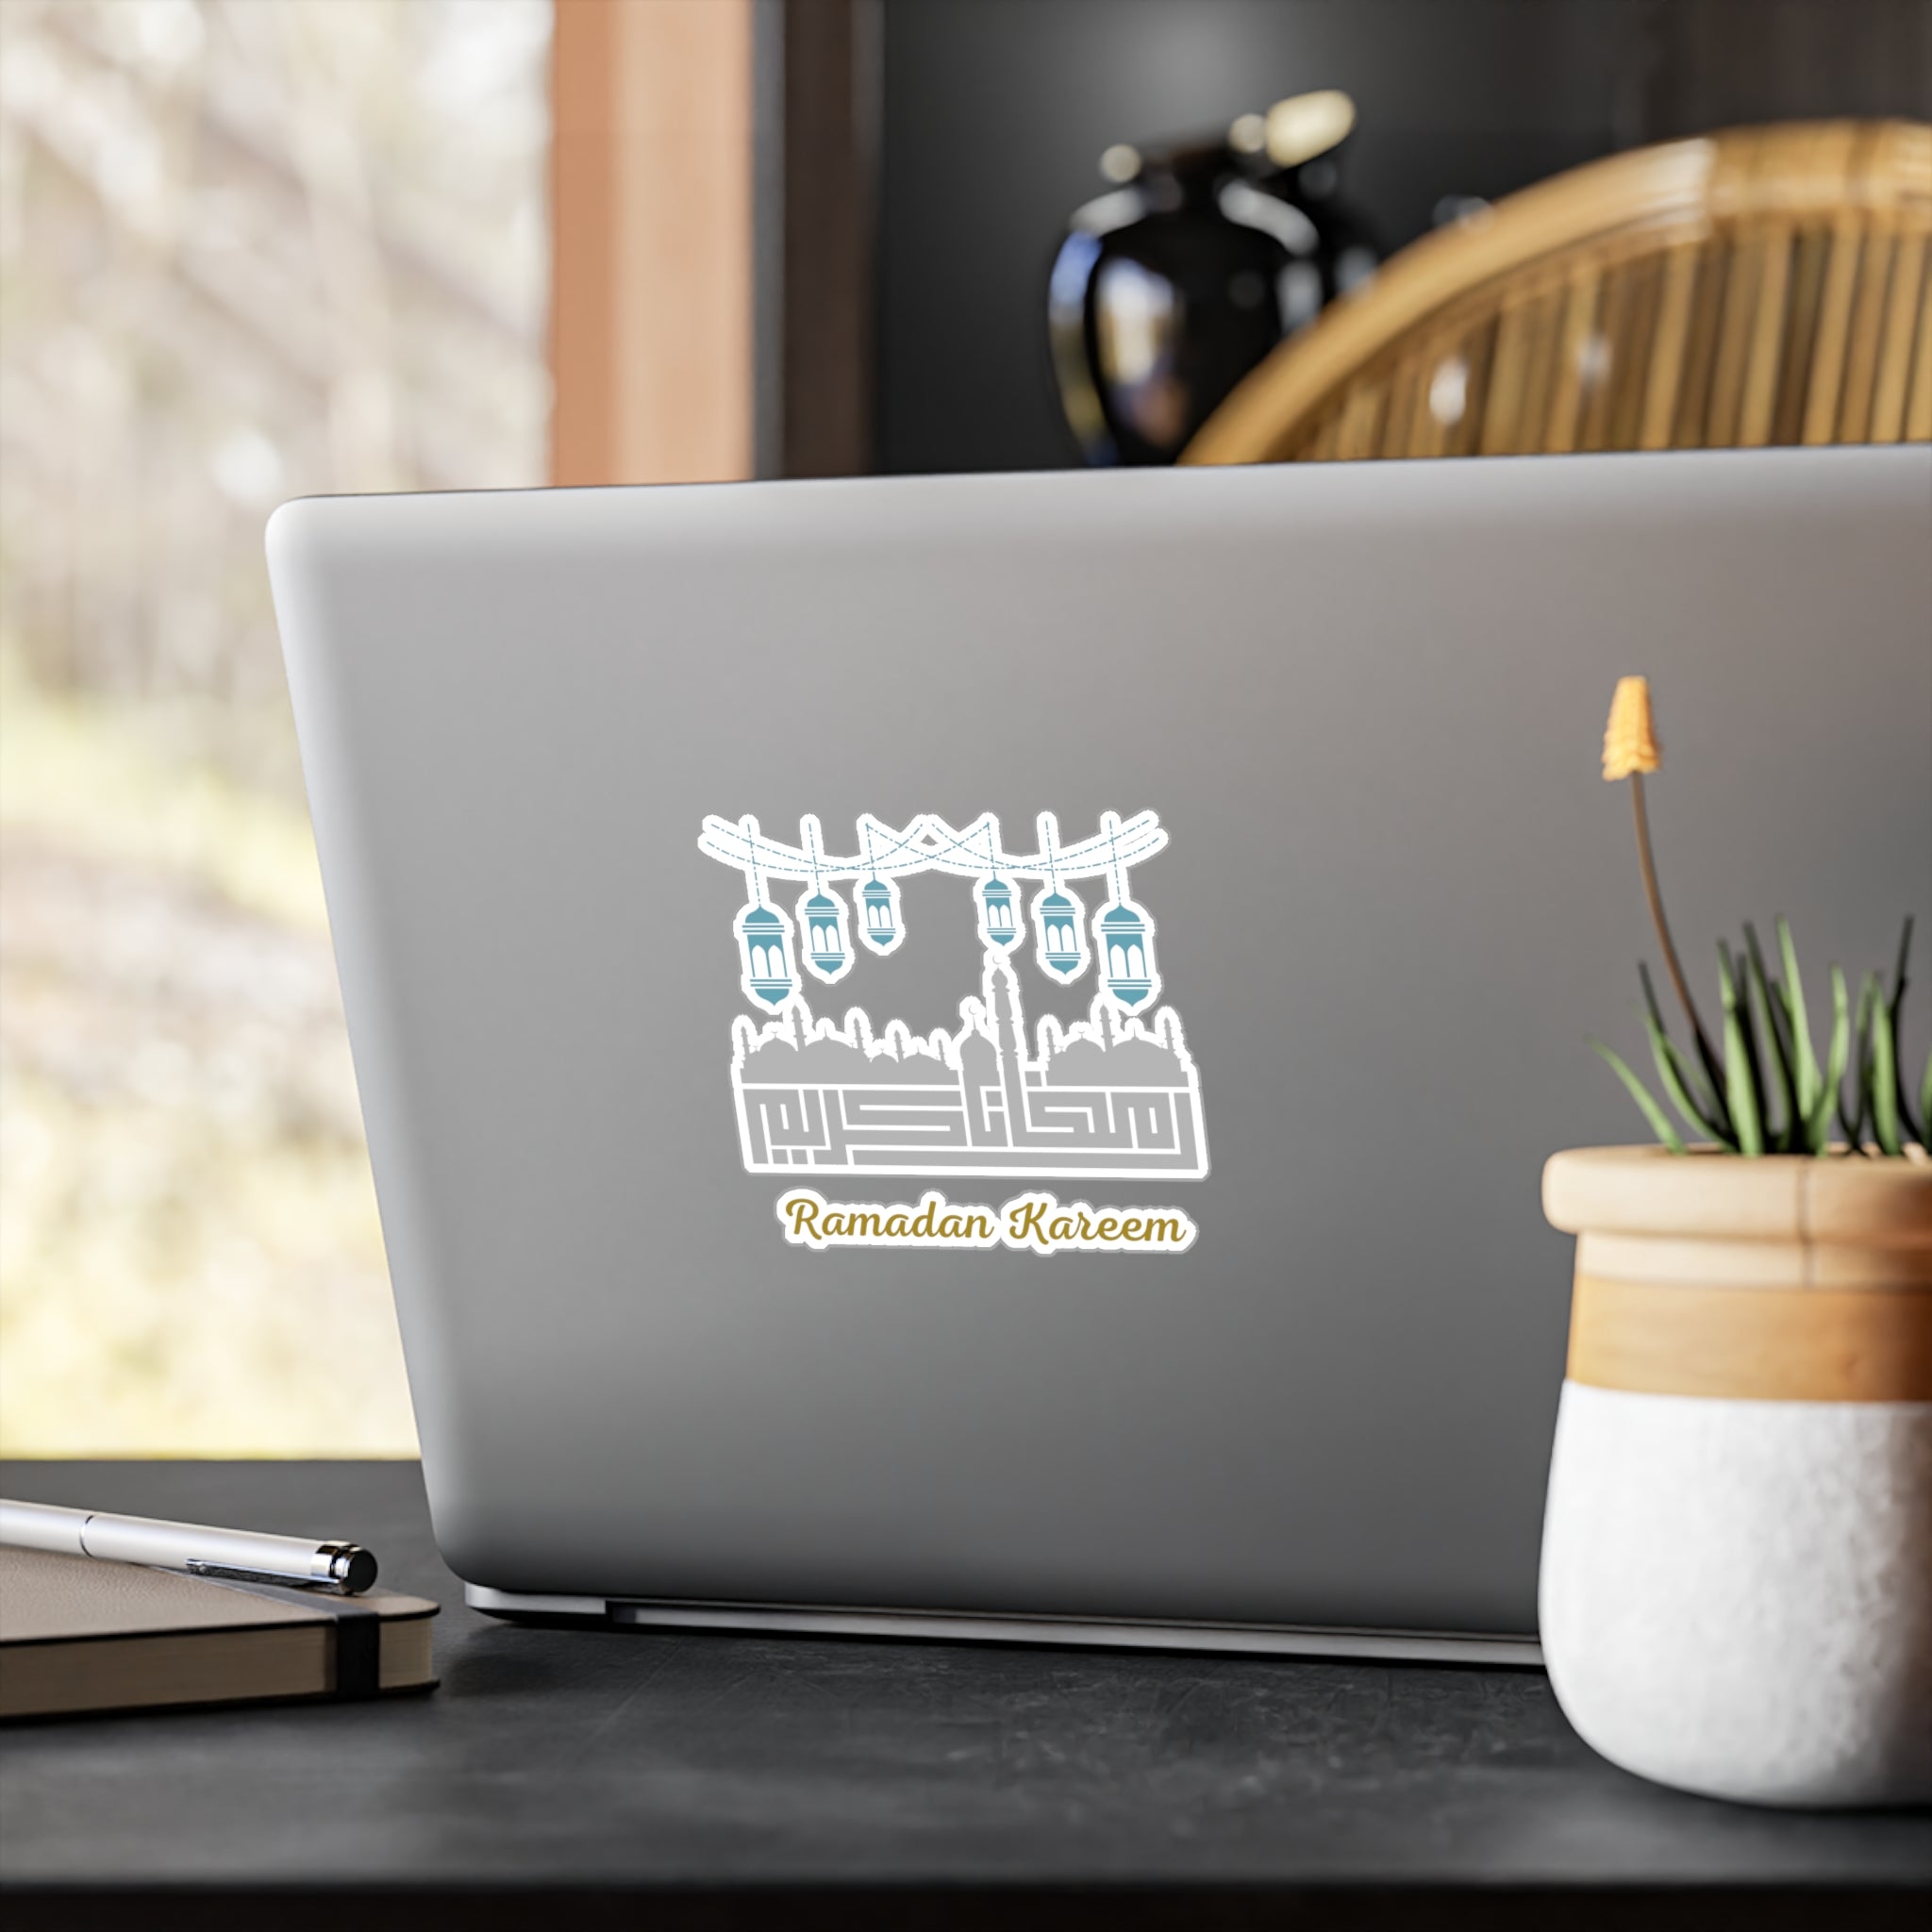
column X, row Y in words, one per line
column 1648, row 864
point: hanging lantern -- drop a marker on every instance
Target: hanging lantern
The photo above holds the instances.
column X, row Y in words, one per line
column 821, row 915
column 879, row 904
column 880, row 925
column 1127, row 949
column 997, row 925
column 1057, row 920
column 767, row 960
column 1057, row 914
column 1125, row 936
column 822, row 919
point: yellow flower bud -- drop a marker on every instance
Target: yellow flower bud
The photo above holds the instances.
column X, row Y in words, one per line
column 1630, row 738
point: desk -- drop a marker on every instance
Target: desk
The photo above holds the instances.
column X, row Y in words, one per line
column 598, row 1778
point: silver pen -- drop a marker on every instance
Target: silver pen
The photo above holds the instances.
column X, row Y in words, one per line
column 244, row 1555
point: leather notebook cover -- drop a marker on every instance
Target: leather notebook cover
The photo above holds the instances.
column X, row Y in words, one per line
column 78, row 1635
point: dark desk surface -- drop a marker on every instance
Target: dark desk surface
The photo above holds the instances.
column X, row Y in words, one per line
column 719, row 1780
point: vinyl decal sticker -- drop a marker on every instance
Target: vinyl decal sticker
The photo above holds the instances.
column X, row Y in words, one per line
column 1113, row 1095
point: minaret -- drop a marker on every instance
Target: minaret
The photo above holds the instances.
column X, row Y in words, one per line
column 979, row 1068
column 1003, row 997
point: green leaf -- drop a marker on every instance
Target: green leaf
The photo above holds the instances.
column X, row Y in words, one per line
column 1818, row 1128
column 1766, row 991
column 1659, row 1121
column 1705, row 1110
column 1738, row 1090
column 1804, row 1061
column 1921, row 1129
column 1854, row 1124
column 1748, row 1026
column 1884, row 1082
column 1673, row 1070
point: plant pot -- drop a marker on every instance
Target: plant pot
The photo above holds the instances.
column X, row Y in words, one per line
column 1737, row 1568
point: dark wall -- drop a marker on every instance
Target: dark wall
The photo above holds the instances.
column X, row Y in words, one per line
column 994, row 112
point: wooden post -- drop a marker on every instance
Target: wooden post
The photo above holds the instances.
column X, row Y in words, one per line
column 651, row 335
column 830, row 83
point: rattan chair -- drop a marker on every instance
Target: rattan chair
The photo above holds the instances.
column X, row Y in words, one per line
column 1765, row 286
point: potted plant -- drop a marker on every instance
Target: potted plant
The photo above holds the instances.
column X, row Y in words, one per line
column 1737, row 1571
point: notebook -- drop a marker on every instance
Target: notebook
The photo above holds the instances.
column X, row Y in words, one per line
column 78, row 1635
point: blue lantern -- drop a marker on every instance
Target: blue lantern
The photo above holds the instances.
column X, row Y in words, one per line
column 1126, row 940
column 1058, row 920
column 768, row 972
column 996, row 904
column 823, row 920
column 881, row 925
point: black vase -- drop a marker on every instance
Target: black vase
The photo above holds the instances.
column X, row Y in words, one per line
column 1167, row 292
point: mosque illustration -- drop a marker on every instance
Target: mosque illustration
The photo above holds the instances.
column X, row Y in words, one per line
column 1114, row 1094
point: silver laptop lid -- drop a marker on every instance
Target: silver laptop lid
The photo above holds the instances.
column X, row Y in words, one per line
column 988, row 1043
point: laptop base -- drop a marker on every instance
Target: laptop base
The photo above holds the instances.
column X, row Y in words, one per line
column 1251, row 1639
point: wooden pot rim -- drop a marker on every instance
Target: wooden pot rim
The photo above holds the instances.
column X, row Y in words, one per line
column 1843, row 1199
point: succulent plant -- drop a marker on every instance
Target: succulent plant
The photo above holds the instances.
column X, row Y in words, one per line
column 1766, row 1090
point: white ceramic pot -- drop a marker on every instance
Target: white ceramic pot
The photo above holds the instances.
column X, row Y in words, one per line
column 1736, row 1567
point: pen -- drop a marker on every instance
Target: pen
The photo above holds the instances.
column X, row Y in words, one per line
column 244, row 1556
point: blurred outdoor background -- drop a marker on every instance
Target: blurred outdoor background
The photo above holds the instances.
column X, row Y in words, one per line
column 250, row 251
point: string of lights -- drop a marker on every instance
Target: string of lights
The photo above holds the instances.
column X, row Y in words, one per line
column 1121, row 933
column 929, row 843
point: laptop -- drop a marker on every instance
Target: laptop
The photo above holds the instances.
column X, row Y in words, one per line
column 972, row 1055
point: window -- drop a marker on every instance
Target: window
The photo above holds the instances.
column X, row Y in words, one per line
column 249, row 251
